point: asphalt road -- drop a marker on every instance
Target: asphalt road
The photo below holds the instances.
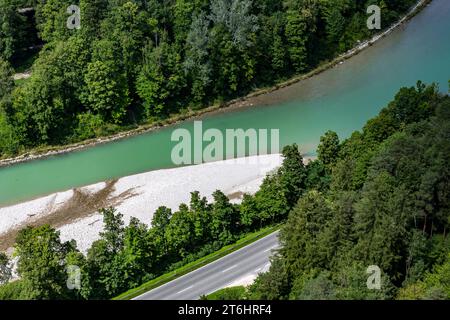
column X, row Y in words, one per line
column 251, row 259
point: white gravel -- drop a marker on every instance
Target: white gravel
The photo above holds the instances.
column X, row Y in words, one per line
column 18, row 214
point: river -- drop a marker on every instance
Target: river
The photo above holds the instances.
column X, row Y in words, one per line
column 340, row 99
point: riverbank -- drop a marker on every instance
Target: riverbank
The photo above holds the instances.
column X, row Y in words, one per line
column 75, row 212
column 248, row 101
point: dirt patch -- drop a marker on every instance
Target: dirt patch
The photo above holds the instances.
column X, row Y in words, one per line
column 235, row 195
column 22, row 75
column 82, row 204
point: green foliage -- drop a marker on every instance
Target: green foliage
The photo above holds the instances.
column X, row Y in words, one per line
column 350, row 284
column 161, row 80
column 272, row 285
column 387, row 205
column 12, row 30
column 6, row 80
column 5, row 268
column 180, row 232
column 271, row 201
column 51, row 19
column 42, row 262
column 318, row 177
column 328, row 148
column 89, row 125
column 106, row 91
column 249, row 211
column 14, row 290
column 232, row 293
column 300, row 26
column 319, row 287
column 9, row 141
column 438, row 281
column 300, row 234
column 292, row 174
column 434, row 286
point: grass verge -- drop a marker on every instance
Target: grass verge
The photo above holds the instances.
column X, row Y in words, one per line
column 231, row 293
column 167, row 277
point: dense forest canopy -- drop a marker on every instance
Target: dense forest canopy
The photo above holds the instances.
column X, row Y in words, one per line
column 135, row 62
column 380, row 197
column 387, row 204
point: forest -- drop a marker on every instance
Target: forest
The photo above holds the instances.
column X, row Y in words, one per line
column 143, row 61
column 380, row 197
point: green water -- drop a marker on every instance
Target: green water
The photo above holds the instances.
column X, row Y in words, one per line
column 341, row 99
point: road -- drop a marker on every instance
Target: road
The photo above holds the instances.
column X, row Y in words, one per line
column 249, row 260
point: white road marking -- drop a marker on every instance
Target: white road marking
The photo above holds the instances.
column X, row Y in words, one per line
column 271, row 248
column 228, row 269
column 185, row 289
column 266, row 267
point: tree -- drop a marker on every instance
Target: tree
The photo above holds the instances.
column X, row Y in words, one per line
column 299, row 236
column 438, row 281
column 160, row 221
column 45, row 105
column 180, row 232
column 299, row 25
column 183, row 12
column 224, row 217
column 92, row 12
column 231, row 39
column 318, row 177
column 278, row 46
column 292, row 174
column 197, row 63
column 380, row 225
column 42, row 262
column 350, row 281
column 201, row 216
column 106, row 260
column 125, row 26
column 328, row 148
column 337, row 238
column 236, row 16
column 6, row 79
column 5, row 269
column 319, row 287
column 161, row 82
column 12, row 31
column 335, row 21
column 249, row 211
column 271, row 200
column 51, row 18
column 77, row 262
column 113, row 231
column 161, row 218
column 434, row 286
column 140, row 253
column 9, row 141
column 106, row 92
column 272, row 285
